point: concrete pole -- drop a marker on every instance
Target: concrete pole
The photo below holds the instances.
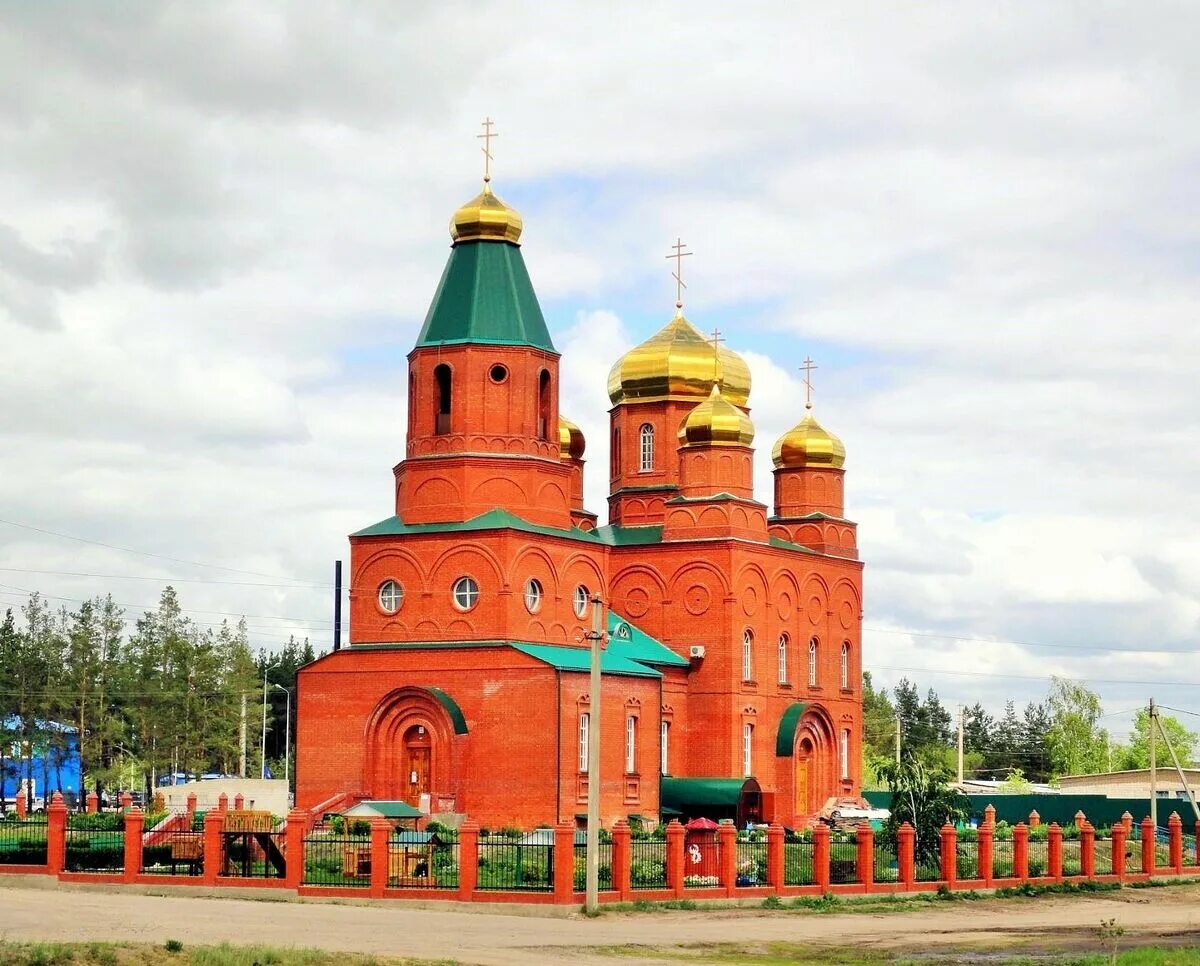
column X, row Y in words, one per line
column 242, row 740
column 1178, row 768
column 1153, row 772
column 897, row 739
column 596, row 637
column 962, row 720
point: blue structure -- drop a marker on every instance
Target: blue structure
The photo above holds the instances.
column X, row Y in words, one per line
column 55, row 765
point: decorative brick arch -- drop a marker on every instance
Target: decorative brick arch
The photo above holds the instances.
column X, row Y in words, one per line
column 807, row 735
column 399, row 711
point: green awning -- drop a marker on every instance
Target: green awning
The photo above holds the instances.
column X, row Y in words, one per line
column 391, row 809
column 690, row 796
column 785, row 740
column 452, row 709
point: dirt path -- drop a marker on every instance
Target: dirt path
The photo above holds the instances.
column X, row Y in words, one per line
column 61, row 913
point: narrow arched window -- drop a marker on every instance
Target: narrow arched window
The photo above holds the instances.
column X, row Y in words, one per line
column 615, row 456
column 747, row 655
column 584, row 728
column 442, row 415
column 543, row 428
column 845, row 752
column 630, row 744
column 747, row 750
column 664, row 744
column 646, row 437
column 812, row 663
column 846, row 665
column 783, row 667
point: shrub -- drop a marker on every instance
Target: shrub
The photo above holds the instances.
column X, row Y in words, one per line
column 338, row 825
column 1039, row 833
column 99, row 822
column 772, row 902
column 360, row 827
column 660, row 833
column 1070, row 832
column 509, row 832
column 648, row 872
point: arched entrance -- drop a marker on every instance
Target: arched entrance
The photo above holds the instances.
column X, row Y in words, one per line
column 416, row 764
column 804, row 776
column 806, row 735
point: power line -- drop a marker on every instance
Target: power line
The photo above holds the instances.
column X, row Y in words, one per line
column 146, row 553
column 165, row 580
column 991, row 640
column 1035, row 677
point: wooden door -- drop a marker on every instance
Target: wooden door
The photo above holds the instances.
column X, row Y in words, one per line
column 414, row 781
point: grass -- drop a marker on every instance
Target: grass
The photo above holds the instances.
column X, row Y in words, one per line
column 801, row 954
column 175, row 953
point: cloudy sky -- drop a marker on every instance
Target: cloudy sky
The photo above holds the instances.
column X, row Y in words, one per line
column 221, row 225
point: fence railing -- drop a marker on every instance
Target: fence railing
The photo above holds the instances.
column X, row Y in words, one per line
column 333, row 860
column 1003, row 858
column 254, row 855
column 422, row 865
column 751, row 869
column 967, row 860
column 92, row 850
column 648, row 864
column 799, row 863
column 174, row 852
column 603, row 867
column 886, row 865
column 843, row 860
column 509, row 865
column 23, row 841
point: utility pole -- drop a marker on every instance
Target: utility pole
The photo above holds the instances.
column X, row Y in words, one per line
column 596, row 637
column 897, row 739
column 1178, row 768
column 962, row 721
column 1153, row 771
column 242, row 740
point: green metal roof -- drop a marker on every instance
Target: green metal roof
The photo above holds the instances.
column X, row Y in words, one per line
column 614, row 536
column 485, row 296
column 452, row 709
column 609, row 536
column 393, row 809
column 687, row 795
column 626, row 640
column 580, row 659
column 785, row 738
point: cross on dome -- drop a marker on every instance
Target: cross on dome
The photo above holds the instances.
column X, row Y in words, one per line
column 679, row 255
column 486, row 137
column 715, row 341
column 807, row 368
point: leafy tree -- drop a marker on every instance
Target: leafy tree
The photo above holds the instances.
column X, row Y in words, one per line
column 1035, row 751
column 1076, row 744
column 879, row 721
column 1137, row 753
column 1016, row 783
column 921, row 796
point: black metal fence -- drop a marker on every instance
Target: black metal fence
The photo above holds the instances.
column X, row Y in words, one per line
column 752, row 862
column 886, row 866
column 648, row 864
column 843, row 860
column 504, row 864
column 1003, row 861
column 174, row 852
column 967, row 859
column 798, row 863
column 603, row 867
column 90, row 850
column 331, row 860
column 416, row 864
column 23, row 841
column 254, row 855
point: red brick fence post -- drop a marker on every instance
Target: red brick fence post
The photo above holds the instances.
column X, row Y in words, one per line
column 293, row 847
column 949, row 854
column 1087, row 850
column 1149, row 833
column 1175, row 828
column 135, row 823
column 622, row 854
column 675, row 857
column 906, row 842
column 986, row 839
column 468, row 860
column 214, row 847
column 93, row 803
column 1054, row 863
column 56, row 833
column 564, row 861
column 1021, row 851
column 866, row 855
column 1118, row 850
column 821, row 856
column 727, row 839
column 775, row 856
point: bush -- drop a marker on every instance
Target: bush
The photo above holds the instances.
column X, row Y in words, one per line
column 360, row 827
column 1039, row 833
column 648, row 872
column 509, row 832
column 1003, row 832
column 99, row 822
column 338, row 825
column 1070, row 833
column 968, row 834
column 660, row 833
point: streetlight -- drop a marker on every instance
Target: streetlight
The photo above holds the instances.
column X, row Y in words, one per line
column 263, row 767
column 287, row 733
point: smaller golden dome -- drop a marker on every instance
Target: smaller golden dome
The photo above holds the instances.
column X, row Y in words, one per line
column 485, row 218
column 808, row 444
column 716, row 422
column 570, row 440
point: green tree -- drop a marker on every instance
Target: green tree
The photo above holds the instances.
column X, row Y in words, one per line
column 879, row 721
column 921, row 796
column 1076, row 743
column 1137, row 753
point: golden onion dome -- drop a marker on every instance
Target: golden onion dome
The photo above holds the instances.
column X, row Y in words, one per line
column 716, row 422
column 678, row 362
column 485, row 217
column 808, row 444
column 571, row 443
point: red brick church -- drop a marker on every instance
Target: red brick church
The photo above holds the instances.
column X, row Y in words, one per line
column 732, row 671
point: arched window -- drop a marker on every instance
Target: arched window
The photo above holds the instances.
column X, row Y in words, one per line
column 646, row 438
column 391, row 596
column 543, row 427
column 584, row 727
column 664, row 751
column 630, row 744
column 845, row 665
column 747, row 750
column 581, row 600
column 466, row 593
column 845, row 752
column 812, row 663
column 442, row 376
column 747, row 655
column 533, row 595
column 783, row 668
column 614, row 458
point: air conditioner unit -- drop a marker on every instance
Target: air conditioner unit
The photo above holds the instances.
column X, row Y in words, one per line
column 697, row 652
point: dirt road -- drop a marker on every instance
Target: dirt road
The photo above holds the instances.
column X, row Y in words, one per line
column 61, row 913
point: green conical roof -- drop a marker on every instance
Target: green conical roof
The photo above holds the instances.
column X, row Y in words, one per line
column 485, row 296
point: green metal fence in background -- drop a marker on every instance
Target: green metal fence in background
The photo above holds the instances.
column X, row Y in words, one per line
column 23, row 841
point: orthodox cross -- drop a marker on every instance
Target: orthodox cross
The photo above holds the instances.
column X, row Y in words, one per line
column 807, row 368
column 715, row 341
column 679, row 255
column 486, row 137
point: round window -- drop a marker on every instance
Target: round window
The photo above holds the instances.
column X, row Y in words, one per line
column 498, row 373
column 391, row 596
column 533, row 596
column 466, row 593
column 581, row 601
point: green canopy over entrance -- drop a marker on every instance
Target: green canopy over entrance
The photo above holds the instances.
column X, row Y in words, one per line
column 785, row 740
column 737, row 798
